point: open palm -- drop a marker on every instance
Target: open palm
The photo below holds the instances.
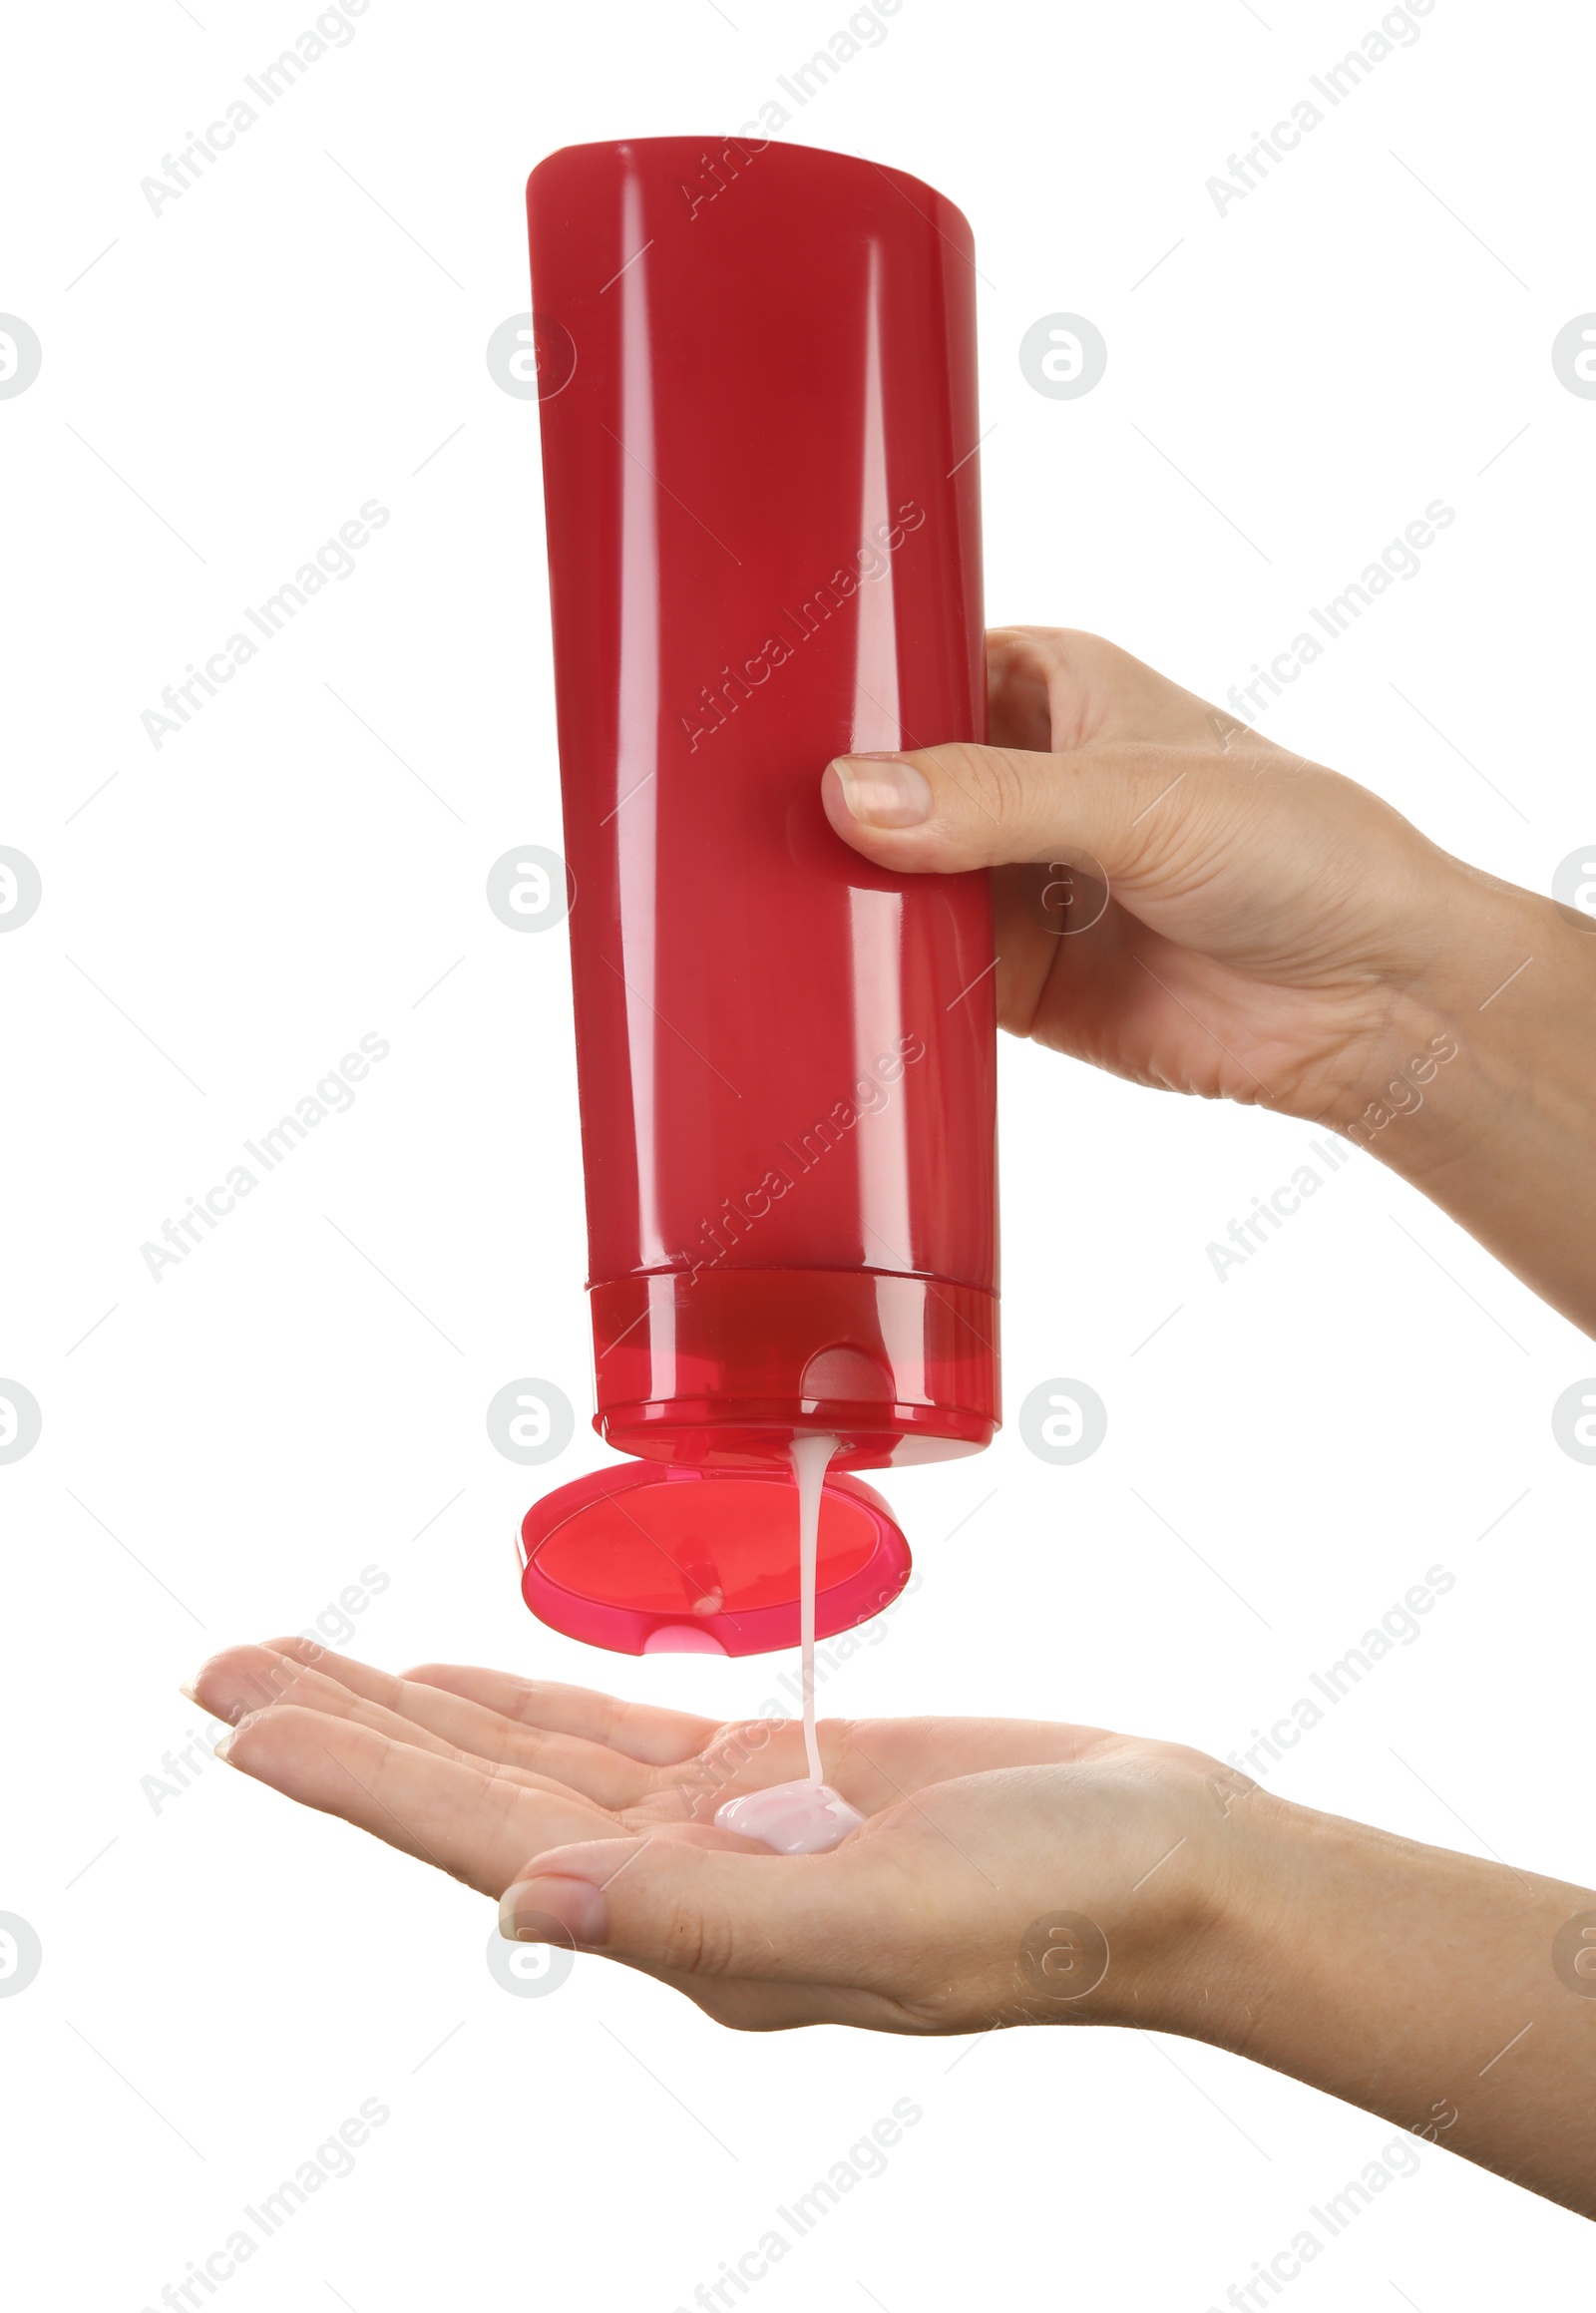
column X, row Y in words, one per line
column 975, row 1830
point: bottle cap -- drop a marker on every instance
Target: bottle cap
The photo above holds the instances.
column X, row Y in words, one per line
column 646, row 1558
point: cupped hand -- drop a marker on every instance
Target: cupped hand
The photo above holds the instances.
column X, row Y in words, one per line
column 1271, row 933
column 1006, row 1870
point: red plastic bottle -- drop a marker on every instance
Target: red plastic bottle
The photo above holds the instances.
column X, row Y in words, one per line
column 757, row 375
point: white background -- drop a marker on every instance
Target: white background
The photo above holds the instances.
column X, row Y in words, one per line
column 227, row 1979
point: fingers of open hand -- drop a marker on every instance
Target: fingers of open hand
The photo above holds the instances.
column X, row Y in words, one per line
column 475, row 1822
column 298, row 1671
column 245, row 1681
column 638, row 1730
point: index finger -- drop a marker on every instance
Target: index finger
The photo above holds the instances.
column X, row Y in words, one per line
column 642, row 1730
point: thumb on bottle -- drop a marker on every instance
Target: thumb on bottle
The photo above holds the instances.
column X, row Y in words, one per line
column 942, row 809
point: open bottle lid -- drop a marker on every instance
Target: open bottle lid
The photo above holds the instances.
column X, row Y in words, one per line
column 646, row 1558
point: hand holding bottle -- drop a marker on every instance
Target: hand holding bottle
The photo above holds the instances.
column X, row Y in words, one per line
column 1271, row 933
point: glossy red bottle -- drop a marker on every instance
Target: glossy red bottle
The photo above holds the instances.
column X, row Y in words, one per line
column 756, row 366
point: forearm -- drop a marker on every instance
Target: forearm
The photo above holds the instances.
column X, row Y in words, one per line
column 1484, row 1096
column 1443, row 1992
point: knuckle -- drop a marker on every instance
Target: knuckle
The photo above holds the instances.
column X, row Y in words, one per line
column 1068, row 653
column 259, row 1676
column 1068, row 648
column 296, row 1643
column 733, row 1747
column 982, row 799
column 700, row 1943
column 306, row 1653
column 971, row 768
column 501, row 1800
column 265, row 1732
column 696, row 1928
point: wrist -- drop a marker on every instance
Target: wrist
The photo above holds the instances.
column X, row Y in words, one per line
column 1495, row 1030
column 1226, row 1945
column 1495, row 1120
column 1188, row 1945
column 1296, row 1932
column 1417, row 1983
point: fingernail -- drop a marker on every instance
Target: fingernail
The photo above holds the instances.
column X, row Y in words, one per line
column 223, row 1749
column 186, row 1688
column 884, row 792
column 555, row 1911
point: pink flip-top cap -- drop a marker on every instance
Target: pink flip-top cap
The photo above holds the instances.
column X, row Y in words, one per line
column 646, row 1558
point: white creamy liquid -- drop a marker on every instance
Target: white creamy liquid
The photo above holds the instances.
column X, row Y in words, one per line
column 808, row 1816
